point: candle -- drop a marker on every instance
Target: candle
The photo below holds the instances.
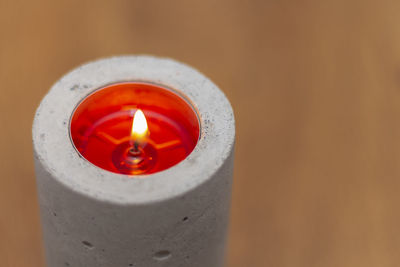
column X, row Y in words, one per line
column 134, row 128
column 133, row 161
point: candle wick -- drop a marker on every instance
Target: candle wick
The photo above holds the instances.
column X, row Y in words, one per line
column 136, row 146
column 134, row 150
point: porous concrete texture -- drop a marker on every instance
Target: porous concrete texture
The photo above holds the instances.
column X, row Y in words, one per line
column 92, row 217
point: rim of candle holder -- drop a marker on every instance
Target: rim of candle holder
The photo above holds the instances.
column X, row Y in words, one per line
column 55, row 151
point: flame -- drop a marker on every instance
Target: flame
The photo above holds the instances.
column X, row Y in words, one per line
column 139, row 125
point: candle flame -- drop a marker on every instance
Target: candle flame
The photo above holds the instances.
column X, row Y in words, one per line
column 139, row 125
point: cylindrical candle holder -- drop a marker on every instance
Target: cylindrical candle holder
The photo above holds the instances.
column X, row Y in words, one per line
column 172, row 208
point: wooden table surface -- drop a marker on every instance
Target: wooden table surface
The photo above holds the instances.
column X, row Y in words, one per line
column 315, row 86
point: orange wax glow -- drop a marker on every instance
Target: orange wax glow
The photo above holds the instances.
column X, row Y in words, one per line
column 134, row 128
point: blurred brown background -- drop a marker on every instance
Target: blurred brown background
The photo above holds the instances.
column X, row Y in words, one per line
column 316, row 90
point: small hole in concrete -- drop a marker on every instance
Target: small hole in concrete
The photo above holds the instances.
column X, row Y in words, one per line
column 76, row 86
column 185, row 219
column 88, row 244
column 162, row 255
column 130, row 264
column 66, row 264
column 55, row 214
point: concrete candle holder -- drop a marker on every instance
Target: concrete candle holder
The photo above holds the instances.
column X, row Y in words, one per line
column 92, row 217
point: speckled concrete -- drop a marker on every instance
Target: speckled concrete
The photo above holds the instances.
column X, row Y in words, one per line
column 91, row 217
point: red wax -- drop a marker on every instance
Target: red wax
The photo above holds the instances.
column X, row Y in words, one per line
column 101, row 128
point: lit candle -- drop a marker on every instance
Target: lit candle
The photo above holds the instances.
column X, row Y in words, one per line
column 134, row 159
column 110, row 129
